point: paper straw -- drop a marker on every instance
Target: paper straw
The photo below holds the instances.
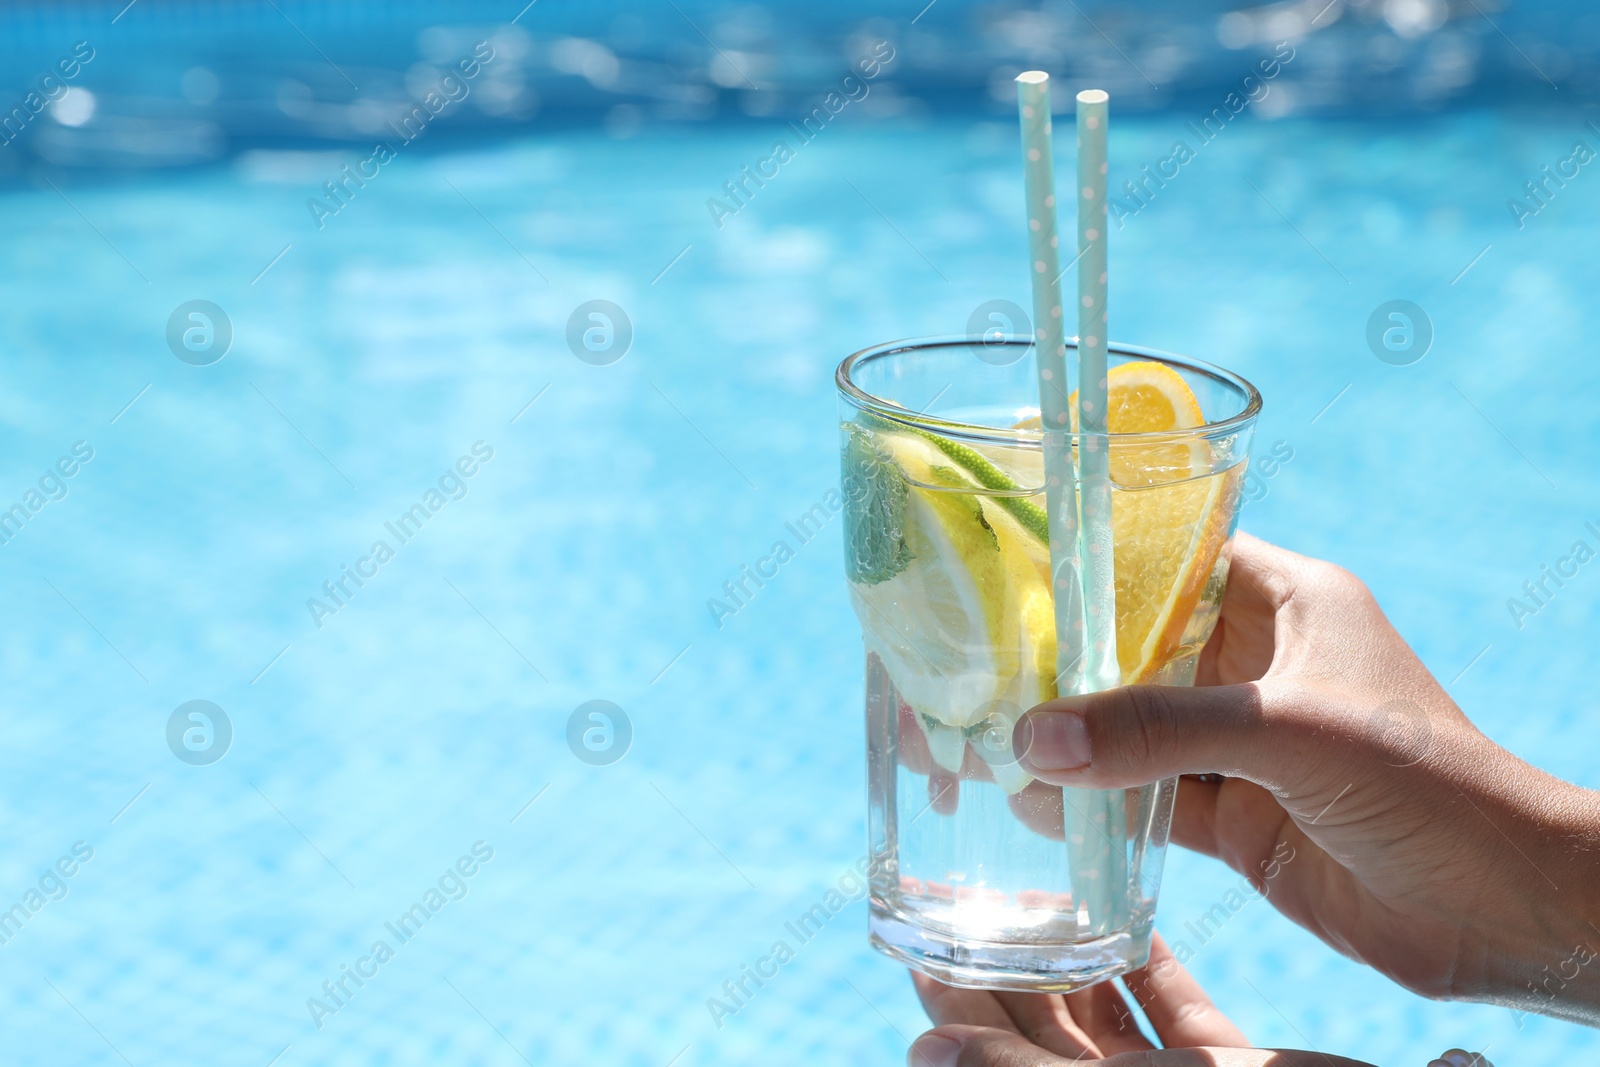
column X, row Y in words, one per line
column 1094, row 534
column 1086, row 843
column 1095, row 564
column 1038, row 180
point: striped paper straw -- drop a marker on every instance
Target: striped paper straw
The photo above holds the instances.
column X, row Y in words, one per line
column 1087, row 845
column 1055, row 416
column 1095, row 546
column 1094, row 549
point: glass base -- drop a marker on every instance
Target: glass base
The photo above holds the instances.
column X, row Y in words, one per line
column 1053, row 967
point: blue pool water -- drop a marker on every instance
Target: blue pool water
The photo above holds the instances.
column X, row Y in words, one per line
column 369, row 754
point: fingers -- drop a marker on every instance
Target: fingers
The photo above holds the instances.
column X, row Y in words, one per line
column 1041, row 1018
column 1039, row 807
column 1045, row 1019
column 1243, row 644
column 1106, row 1020
column 1091, row 1022
column 1176, row 1006
column 1233, row 820
column 976, row 1046
column 948, row 1005
column 1261, row 573
column 1194, row 816
column 944, row 785
column 914, row 754
column 944, row 791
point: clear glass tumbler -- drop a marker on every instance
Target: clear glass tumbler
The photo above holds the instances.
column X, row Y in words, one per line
column 981, row 875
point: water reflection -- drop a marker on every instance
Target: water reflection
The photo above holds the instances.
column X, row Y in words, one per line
column 182, row 88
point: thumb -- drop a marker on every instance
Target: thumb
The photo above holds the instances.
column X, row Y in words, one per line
column 980, row 1046
column 1138, row 734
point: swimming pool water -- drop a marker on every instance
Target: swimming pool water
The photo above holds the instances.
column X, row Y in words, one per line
column 430, row 712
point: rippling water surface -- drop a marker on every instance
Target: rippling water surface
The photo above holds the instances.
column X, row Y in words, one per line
column 381, row 739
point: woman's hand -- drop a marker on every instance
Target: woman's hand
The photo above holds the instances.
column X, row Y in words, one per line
column 1420, row 847
column 979, row 1028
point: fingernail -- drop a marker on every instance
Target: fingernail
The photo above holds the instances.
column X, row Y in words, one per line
column 933, row 1050
column 1052, row 741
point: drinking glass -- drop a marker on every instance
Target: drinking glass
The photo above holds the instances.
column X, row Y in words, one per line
column 981, row 875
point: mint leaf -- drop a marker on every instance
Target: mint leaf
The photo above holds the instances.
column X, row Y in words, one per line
column 875, row 548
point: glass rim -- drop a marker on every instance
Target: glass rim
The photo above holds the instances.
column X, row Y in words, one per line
column 1002, row 435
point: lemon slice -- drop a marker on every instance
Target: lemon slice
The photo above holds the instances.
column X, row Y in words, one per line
column 1033, row 626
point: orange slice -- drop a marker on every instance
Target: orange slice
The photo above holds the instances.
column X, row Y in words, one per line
column 1169, row 518
column 1168, row 542
column 1148, row 397
column 1144, row 397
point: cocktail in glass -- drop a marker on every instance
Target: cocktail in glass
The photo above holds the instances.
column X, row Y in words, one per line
column 981, row 875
